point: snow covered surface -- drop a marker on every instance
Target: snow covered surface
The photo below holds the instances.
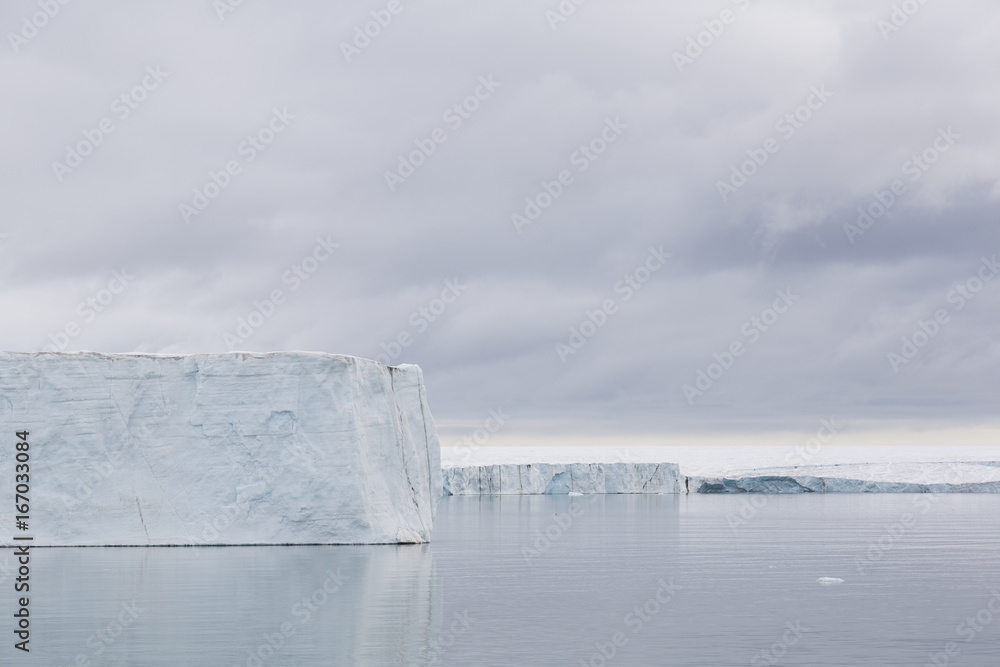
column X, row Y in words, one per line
column 780, row 469
column 238, row 448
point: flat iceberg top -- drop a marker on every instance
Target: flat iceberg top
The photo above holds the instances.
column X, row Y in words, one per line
column 112, row 356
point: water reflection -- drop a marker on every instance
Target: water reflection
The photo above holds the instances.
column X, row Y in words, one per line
column 621, row 581
column 226, row 606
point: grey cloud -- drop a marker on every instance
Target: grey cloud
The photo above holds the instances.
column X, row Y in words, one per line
column 656, row 185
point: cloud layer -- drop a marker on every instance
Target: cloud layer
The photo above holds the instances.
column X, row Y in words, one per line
column 470, row 186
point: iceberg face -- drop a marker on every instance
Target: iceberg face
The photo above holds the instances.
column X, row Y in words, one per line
column 562, row 479
column 659, row 478
column 908, row 477
column 238, row 448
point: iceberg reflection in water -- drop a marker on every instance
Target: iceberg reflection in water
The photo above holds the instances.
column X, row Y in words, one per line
column 226, row 606
column 686, row 580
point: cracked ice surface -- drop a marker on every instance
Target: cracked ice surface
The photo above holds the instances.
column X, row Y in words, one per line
column 238, row 448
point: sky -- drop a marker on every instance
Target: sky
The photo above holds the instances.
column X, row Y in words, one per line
column 637, row 218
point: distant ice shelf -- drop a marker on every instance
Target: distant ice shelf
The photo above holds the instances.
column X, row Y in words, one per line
column 562, row 479
column 907, row 477
column 555, row 475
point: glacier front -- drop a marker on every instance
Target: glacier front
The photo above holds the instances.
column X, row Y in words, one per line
column 230, row 449
column 562, row 479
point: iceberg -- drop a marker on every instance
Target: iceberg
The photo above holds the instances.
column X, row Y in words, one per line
column 517, row 470
column 229, row 449
column 563, row 479
column 829, row 581
column 902, row 477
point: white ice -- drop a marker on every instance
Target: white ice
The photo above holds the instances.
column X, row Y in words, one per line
column 767, row 469
column 829, row 581
column 235, row 448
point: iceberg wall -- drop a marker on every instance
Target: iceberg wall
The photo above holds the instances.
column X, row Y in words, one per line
column 552, row 478
column 943, row 477
column 562, row 479
column 238, row 448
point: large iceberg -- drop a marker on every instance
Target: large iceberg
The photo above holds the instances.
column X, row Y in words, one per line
column 238, row 448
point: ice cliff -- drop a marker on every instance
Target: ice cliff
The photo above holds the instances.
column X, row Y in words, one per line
column 553, row 470
column 903, row 477
column 556, row 479
column 238, row 448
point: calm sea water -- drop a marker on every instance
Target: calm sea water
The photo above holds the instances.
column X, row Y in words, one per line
column 605, row 580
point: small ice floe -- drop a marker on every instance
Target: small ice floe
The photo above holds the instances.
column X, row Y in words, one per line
column 829, row 581
column 574, row 493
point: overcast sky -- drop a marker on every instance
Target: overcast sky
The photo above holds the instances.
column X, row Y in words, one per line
column 168, row 166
